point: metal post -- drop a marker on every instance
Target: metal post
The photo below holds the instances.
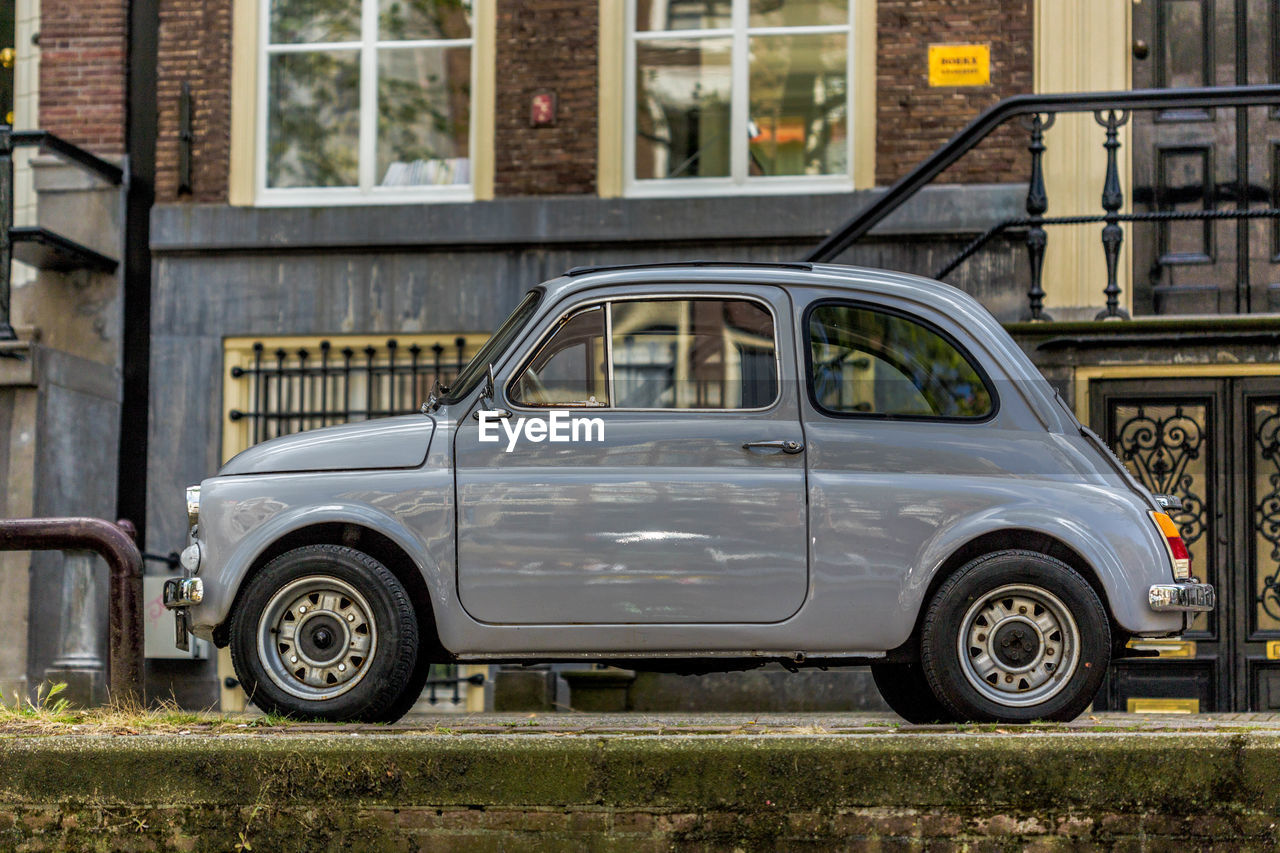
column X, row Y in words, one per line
column 113, row 542
column 6, row 228
column 1112, row 201
column 79, row 663
column 1037, row 205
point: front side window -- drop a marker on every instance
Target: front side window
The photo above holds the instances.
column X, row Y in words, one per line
column 656, row 354
column 365, row 98
column 693, row 354
column 569, row 369
column 735, row 93
column 868, row 362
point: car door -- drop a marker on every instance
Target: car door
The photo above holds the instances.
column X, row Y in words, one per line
column 659, row 511
column 905, row 439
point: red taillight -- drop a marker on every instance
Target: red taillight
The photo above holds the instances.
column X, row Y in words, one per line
column 1178, row 553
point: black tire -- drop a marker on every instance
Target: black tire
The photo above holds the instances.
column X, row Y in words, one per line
column 413, row 687
column 361, row 637
column 1036, row 636
column 905, row 689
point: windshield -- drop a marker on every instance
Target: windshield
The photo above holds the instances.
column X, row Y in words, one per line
column 501, row 339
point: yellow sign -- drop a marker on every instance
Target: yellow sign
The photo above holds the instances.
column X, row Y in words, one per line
column 959, row 65
column 1166, row 648
column 1162, row 706
column 1273, row 649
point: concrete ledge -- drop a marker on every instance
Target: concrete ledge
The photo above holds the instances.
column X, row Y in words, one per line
column 405, row 791
column 572, row 220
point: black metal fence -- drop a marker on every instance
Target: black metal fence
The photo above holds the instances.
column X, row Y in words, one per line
column 1111, row 110
column 292, row 389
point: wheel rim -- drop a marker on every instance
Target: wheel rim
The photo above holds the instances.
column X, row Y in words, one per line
column 1019, row 645
column 316, row 637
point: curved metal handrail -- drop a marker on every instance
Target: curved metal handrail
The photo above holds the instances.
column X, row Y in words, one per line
column 1021, row 105
column 116, row 545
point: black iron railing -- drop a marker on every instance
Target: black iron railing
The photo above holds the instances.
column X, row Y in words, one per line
column 1111, row 110
column 306, row 387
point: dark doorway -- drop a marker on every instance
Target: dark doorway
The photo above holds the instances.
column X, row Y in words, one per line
column 1214, row 442
column 1186, row 160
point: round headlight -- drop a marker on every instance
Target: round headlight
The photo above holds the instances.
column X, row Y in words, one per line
column 193, row 504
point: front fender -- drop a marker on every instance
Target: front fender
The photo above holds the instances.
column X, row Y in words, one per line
column 228, row 569
column 1113, row 535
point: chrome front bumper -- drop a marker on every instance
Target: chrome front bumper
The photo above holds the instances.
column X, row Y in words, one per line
column 179, row 594
column 183, row 592
column 1186, row 597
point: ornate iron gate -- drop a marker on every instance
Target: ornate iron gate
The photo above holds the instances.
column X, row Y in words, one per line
column 1214, row 442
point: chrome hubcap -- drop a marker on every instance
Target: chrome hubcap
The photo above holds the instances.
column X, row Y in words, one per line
column 316, row 637
column 1019, row 645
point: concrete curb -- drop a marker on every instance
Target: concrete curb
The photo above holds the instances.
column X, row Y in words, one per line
column 202, row 788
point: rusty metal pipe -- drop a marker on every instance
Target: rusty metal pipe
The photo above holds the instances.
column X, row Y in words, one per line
column 115, row 544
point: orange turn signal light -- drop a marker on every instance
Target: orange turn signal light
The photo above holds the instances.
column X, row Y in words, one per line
column 1173, row 543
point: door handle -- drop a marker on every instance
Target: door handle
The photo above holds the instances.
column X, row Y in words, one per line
column 494, row 413
column 785, row 445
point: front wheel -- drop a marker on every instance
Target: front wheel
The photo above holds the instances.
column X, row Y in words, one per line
column 326, row 632
column 1015, row 636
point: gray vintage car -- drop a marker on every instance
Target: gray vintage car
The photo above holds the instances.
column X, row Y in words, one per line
column 692, row 468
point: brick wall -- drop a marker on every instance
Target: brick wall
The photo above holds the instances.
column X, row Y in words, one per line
column 542, row 45
column 912, row 119
column 194, row 46
column 546, row 45
column 83, row 53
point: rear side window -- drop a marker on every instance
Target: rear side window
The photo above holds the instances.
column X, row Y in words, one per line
column 864, row 361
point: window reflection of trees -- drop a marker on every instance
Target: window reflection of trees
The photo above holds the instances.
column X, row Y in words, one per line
column 874, row 363
column 423, row 93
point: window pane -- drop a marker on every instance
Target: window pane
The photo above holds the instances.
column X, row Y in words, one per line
column 297, row 21
column 798, row 13
column 424, row 19
column 313, row 119
column 693, row 354
column 799, row 99
column 424, row 116
column 569, row 369
column 682, row 108
column 867, row 362
column 683, row 14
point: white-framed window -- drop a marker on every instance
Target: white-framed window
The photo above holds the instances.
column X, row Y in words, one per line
column 727, row 96
column 365, row 101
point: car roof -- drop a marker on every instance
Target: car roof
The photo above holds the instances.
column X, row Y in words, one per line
column 784, row 274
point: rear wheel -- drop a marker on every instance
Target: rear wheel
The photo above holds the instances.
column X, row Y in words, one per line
column 328, row 632
column 1015, row 636
column 905, row 689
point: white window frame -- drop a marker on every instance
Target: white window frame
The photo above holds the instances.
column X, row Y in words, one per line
column 367, row 190
column 738, row 182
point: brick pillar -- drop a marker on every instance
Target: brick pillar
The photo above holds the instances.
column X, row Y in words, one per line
column 546, row 46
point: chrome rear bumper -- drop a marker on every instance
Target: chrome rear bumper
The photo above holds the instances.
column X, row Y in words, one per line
column 1186, row 597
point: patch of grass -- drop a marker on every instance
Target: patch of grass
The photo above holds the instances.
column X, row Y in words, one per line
column 49, row 713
